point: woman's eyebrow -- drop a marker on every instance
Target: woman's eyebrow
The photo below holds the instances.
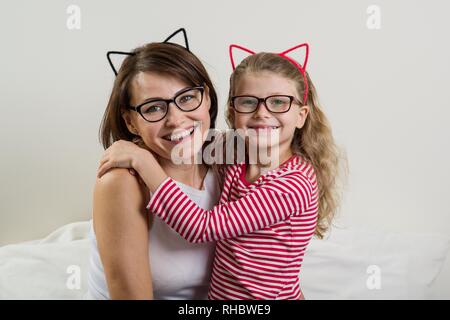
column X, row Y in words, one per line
column 160, row 98
column 151, row 99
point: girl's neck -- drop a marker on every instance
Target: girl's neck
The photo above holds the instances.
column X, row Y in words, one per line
column 254, row 171
column 188, row 174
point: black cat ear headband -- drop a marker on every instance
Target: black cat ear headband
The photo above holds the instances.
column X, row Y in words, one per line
column 132, row 54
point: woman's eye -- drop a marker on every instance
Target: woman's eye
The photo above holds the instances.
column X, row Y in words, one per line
column 186, row 98
column 152, row 109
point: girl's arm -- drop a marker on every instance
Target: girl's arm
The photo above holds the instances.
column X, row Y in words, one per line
column 262, row 207
column 123, row 238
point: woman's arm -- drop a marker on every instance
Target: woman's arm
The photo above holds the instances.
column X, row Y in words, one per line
column 121, row 228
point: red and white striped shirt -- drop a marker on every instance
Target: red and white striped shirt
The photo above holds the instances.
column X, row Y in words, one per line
column 262, row 229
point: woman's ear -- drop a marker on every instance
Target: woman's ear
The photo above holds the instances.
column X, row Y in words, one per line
column 302, row 115
column 206, row 96
column 126, row 116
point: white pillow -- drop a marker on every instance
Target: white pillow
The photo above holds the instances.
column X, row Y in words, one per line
column 334, row 268
column 361, row 264
column 51, row 268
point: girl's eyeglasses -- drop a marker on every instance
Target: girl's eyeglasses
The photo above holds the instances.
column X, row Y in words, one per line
column 275, row 103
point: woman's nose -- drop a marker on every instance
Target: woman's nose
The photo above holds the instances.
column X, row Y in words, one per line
column 174, row 116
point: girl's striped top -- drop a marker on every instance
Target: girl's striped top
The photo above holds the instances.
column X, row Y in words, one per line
column 262, row 228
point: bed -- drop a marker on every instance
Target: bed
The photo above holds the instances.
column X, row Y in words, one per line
column 348, row 264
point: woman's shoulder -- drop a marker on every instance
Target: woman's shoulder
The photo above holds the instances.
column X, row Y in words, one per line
column 117, row 180
column 119, row 185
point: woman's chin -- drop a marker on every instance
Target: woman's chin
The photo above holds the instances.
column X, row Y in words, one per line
column 185, row 153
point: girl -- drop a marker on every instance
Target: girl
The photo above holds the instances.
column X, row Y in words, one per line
column 131, row 259
column 267, row 214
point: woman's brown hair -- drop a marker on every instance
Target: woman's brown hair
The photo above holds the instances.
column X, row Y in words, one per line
column 162, row 58
column 314, row 141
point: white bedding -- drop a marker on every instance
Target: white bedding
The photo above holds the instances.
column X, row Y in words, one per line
column 47, row 268
column 356, row 264
column 364, row 264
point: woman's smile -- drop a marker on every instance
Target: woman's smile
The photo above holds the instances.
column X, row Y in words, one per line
column 181, row 135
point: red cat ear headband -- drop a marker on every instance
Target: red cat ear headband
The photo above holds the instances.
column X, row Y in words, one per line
column 300, row 67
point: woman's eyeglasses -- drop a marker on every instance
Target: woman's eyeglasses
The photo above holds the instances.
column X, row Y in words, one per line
column 155, row 110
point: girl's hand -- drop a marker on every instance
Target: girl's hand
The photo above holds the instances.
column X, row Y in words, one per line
column 121, row 154
column 126, row 154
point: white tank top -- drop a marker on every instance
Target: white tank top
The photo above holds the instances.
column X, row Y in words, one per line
column 180, row 270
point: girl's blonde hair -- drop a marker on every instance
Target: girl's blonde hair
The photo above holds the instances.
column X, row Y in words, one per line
column 314, row 141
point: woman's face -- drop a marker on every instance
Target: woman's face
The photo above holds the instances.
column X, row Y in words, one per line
column 178, row 128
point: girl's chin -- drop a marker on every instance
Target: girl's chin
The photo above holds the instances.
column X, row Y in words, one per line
column 262, row 141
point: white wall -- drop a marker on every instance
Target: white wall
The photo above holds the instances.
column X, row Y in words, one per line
column 385, row 91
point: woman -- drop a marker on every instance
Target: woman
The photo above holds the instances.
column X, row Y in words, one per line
column 162, row 96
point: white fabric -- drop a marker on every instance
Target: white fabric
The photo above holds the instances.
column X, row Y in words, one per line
column 334, row 268
column 39, row 269
column 180, row 270
column 349, row 263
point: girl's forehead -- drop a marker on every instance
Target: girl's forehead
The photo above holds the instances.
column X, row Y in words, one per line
column 264, row 81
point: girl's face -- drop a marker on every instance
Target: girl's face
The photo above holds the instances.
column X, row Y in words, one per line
column 161, row 137
column 262, row 121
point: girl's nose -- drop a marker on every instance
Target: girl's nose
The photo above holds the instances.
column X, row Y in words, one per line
column 262, row 111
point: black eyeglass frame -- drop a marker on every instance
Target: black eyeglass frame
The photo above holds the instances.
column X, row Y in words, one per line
column 168, row 102
column 264, row 100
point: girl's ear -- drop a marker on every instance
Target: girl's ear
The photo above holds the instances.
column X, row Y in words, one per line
column 126, row 116
column 302, row 115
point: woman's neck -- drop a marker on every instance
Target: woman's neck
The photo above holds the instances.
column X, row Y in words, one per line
column 188, row 174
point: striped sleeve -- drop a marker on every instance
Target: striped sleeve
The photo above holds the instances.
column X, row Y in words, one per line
column 264, row 206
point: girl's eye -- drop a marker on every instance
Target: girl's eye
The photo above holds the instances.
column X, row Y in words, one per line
column 278, row 102
column 248, row 102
